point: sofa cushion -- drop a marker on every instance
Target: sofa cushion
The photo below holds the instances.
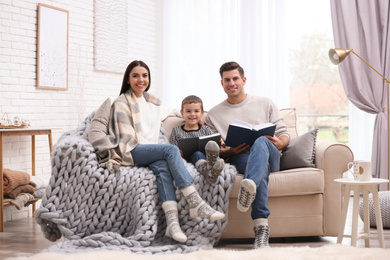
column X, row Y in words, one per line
column 300, row 152
column 290, row 119
column 301, row 181
column 170, row 122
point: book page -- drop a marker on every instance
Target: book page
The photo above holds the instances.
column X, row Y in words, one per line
column 261, row 126
column 208, row 136
column 242, row 124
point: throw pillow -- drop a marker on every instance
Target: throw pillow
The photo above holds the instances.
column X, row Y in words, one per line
column 300, row 152
column 99, row 124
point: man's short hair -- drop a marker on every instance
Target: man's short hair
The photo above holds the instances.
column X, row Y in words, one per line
column 232, row 65
column 192, row 99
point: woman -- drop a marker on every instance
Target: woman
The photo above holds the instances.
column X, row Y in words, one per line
column 135, row 123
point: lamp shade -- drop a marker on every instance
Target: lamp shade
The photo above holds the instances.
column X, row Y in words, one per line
column 338, row 55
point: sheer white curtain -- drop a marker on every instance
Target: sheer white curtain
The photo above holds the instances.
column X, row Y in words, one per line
column 198, row 36
column 361, row 124
column 264, row 50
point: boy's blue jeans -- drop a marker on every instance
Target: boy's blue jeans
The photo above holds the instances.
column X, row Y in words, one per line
column 196, row 156
column 166, row 163
column 257, row 164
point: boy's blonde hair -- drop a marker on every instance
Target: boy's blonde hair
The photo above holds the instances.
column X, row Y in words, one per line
column 192, row 99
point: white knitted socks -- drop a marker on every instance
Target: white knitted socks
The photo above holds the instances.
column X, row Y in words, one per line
column 261, row 230
column 260, row 222
column 198, row 207
column 173, row 228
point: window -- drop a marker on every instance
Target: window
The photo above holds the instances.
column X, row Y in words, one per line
column 283, row 47
column 315, row 90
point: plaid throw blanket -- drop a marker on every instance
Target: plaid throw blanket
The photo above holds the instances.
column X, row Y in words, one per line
column 116, row 130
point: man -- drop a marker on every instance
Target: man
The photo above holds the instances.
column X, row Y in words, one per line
column 256, row 162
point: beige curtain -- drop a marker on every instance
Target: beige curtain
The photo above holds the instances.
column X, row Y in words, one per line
column 364, row 26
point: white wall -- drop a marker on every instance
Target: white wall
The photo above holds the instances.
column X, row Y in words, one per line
column 87, row 88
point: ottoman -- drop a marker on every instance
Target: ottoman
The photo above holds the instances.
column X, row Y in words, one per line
column 384, row 203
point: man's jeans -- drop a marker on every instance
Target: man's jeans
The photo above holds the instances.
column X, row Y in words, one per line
column 166, row 163
column 257, row 164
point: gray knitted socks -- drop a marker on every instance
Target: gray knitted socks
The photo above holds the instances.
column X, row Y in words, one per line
column 173, row 228
column 213, row 165
column 212, row 153
column 198, row 207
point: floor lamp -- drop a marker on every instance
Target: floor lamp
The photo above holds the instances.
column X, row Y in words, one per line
column 338, row 55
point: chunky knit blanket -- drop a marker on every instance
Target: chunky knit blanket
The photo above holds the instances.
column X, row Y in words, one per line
column 95, row 209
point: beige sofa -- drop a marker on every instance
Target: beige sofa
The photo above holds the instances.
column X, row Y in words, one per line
column 303, row 201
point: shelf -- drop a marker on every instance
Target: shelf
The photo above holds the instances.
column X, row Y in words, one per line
column 20, row 131
column 8, row 203
column 12, row 126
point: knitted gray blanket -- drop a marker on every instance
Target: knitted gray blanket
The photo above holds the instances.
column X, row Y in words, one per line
column 95, row 209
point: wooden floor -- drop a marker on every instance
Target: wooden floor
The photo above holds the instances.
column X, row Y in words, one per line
column 24, row 238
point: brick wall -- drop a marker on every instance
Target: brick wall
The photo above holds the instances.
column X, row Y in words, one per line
column 87, row 88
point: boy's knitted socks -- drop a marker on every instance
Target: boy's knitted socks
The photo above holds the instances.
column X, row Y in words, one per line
column 213, row 165
column 201, row 166
column 212, row 153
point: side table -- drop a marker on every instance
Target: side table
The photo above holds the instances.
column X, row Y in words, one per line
column 20, row 132
column 366, row 187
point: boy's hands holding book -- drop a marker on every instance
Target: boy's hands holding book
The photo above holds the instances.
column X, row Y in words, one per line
column 188, row 146
column 222, row 142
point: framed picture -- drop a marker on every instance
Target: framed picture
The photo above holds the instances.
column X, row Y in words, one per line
column 52, row 47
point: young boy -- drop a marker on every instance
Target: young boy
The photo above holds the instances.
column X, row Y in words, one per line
column 209, row 164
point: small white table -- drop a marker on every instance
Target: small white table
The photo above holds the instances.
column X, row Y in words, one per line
column 366, row 187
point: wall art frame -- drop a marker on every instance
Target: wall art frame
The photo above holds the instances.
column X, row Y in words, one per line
column 52, row 47
column 111, row 45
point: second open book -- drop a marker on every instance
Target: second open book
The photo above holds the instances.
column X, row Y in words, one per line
column 241, row 132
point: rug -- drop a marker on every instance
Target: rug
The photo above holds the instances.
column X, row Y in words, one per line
column 327, row 252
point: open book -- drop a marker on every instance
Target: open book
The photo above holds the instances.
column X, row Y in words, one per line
column 241, row 132
column 191, row 145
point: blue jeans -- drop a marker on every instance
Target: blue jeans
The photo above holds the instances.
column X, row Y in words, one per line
column 196, row 156
column 257, row 164
column 166, row 163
